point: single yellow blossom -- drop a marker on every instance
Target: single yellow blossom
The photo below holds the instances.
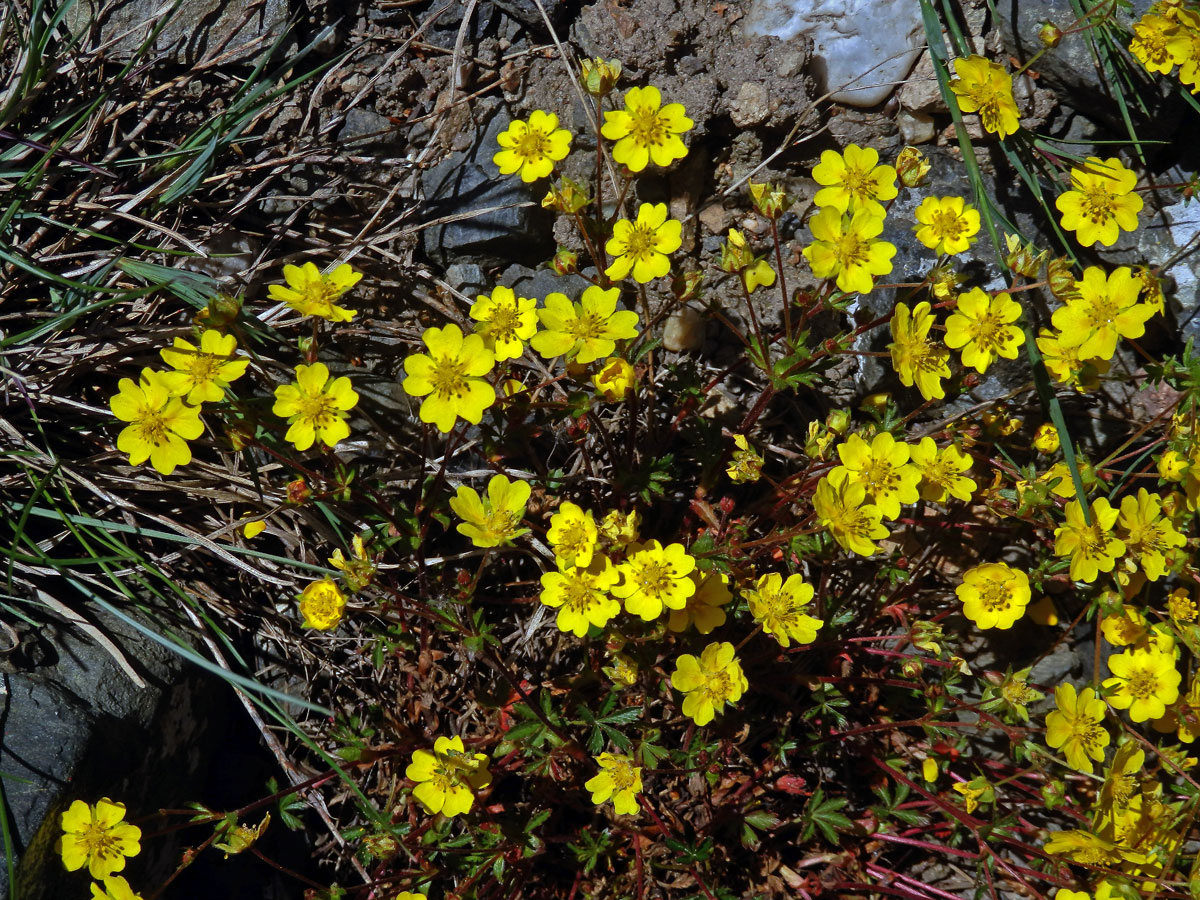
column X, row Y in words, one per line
column 942, row 471
column 450, row 377
column 641, row 247
column 311, row 292
column 316, row 406
column 572, row 535
column 1124, row 628
column 209, row 368
column 496, row 520
column 883, row 469
column 322, row 604
column 653, row 577
column 779, row 606
column 447, row 777
column 532, row 148
column 1105, row 310
column 581, row 595
column 946, row 224
column 97, row 837
column 1075, row 727
column 1152, row 36
column 976, row 791
column 1064, row 362
column 854, row 180
column 1181, row 606
column 1102, row 202
column 841, row 508
column 985, row 88
column 587, row 330
column 620, row 529
column 915, row 358
column 985, row 328
column 505, row 320
column 994, row 595
column 1045, row 439
column 912, row 167
column 847, row 249
column 1092, row 548
column 709, row 682
column 619, row 781
column 616, row 380
column 646, row 130
column 705, row 608
column 1172, row 466
column 1143, row 681
column 160, row 423
column 1149, row 535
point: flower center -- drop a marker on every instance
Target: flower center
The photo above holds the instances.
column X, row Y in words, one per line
column 1143, row 684
column 641, row 242
column 504, row 322
column 655, row 578
column 1099, row 203
column 534, row 144
column 99, row 842
column 719, row 687
column 995, row 596
column 858, row 182
column 622, row 777
column 448, row 378
column 647, row 126
column 586, row 327
column 990, row 331
column 1092, row 543
column 574, row 539
column 579, row 596
column 851, row 250
column 317, row 409
column 879, row 477
column 153, row 427
column 947, row 225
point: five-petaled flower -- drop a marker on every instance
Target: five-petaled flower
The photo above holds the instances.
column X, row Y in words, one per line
column 646, row 130
column 1102, row 202
column 641, row 247
column 311, row 292
column 532, row 148
column 208, row 369
column 587, row 330
column 985, row 88
column 654, row 576
column 316, row 406
column 915, row 358
column 450, row 377
column 581, row 595
column 779, row 606
column 1092, row 548
column 496, row 519
column 322, row 604
column 709, row 682
column 841, row 508
column 854, row 180
column 1103, row 310
column 984, row 328
column 882, row 468
column 505, row 320
column 96, row 837
column 1149, row 535
column 1075, row 727
column 846, row 249
column 572, row 535
column 1144, row 681
column 946, row 224
column 447, row 776
column 994, row 595
column 619, row 780
column 942, row 471
column 160, row 423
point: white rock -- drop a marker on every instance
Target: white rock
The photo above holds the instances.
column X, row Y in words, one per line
column 864, row 45
column 683, row 330
column 915, row 127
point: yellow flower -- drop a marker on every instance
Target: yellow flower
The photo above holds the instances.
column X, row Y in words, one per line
column 941, row 471
column 736, row 256
column 161, row 424
column 1150, row 45
column 1064, row 362
column 1185, row 48
column 1144, row 681
column 1102, row 202
column 929, row 769
column 985, row 88
column 322, row 604
column 619, row 781
column 587, row 330
column 645, row 130
column 779, row 606
column 506, row 321
column 496, row 520
column 616, row 379
column 620, row 529
column 854, row 181
column 1067, row 894
column 1181, row 606
column 572, row 535
column 1172, row 466
column 1149, row 535
column 532, row 148
column 1075, row 727
column 841, row 508
column 746, row 465
column 641, row 247
column 315, row 406
column 1104, row 311
column 452, row 377
column 845, row 248
column 977, row 790
column 705, row 608
column 1045, row 439
column 96, row 837
column 209, row 368
column 581, row 595
column 254, row 528
column 709, row 682
column 447, row 777
column 912, row 166
column 1124, row 628
column 311, row 293
column 1084, row 847
column 882, row 468
column 946, row 224
column 654, row 576
column 994, row 595
column 984, row 327
column 1092, row 548
column 916, row 359
column 115, row 888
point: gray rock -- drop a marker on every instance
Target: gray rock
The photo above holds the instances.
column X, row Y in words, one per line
column 466, row 277
column 192, row 29
column 499, row 218
column 537, row 283
column 366, row 129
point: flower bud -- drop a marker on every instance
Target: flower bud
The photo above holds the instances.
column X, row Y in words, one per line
column 567, row 196
column 770, row 200
column 1045, row 439
column 600, row 76
column 616, row 379
column 912, row 166
column 565, row 262
column 1049, row 34
column 735, row 253
column 838, row 421
column 686, row 285
column 1062, row 279
column 1021, row 258
column 221, row 312
column 298, row 492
